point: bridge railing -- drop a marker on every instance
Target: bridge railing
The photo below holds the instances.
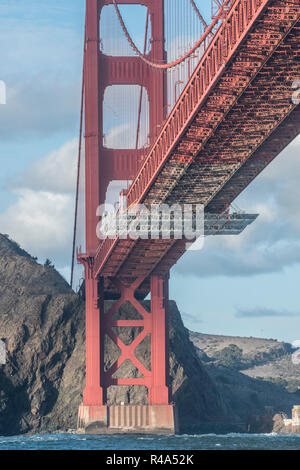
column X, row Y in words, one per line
column 231, row 31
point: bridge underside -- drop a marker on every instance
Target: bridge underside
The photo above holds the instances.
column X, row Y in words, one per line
column 244, row 122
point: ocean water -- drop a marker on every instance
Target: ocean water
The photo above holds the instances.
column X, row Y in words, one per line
column 72, row 441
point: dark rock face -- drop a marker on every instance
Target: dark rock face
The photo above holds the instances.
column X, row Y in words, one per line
column 39, row 319
column 42, row 324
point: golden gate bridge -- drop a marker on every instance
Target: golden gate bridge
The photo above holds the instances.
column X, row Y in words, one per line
column 175, row 110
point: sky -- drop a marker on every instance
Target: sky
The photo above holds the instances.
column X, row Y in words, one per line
column 244, row 286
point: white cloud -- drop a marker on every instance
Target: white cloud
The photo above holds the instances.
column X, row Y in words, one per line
column 117, row 135
column 41, row 219
column 54, row 172
column 273, row 241
column 40, row 106
column 41, row 62
column 40, row 222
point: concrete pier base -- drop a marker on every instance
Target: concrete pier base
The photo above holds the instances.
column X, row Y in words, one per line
column 123, row 419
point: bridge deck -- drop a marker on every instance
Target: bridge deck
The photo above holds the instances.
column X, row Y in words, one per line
column 234, row 116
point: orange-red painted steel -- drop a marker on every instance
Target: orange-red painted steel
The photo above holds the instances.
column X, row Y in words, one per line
column 104, row 165
column 153, row 323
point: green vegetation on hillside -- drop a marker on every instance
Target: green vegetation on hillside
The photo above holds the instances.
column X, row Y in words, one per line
column 230, row 356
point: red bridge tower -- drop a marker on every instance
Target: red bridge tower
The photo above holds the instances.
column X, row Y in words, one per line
column 102, row 166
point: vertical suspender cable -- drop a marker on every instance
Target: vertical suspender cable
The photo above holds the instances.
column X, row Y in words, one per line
column 187, row 54
column 141, row 90
column 199, row 14
column 78, row 164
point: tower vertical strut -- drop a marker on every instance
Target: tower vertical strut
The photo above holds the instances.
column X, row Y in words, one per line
column 103, row 165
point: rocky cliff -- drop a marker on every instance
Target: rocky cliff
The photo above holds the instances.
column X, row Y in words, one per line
column 41, row 384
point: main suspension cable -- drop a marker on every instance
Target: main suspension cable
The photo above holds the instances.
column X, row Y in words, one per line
column 181, row 59
column 199, row 14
